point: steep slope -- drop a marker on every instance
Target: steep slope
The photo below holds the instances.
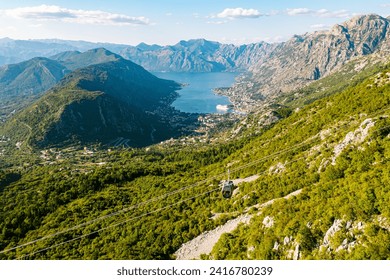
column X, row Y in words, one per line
column 336, row 151
column 30, row 77
column 39, row 74
column 271, row 110
column 307, row 58
column 22, row 83
column 97, row 104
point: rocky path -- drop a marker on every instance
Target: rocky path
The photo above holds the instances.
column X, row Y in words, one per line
column 204, row 243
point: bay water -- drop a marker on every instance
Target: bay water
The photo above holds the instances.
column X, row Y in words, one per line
column 197, row 95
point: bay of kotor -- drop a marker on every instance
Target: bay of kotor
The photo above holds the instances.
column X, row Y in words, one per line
column 197, row 94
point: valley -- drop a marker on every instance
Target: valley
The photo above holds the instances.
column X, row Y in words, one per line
column 97, row 163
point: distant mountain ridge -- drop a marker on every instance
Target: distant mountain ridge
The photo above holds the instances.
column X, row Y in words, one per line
column 198, row 55
column 15, row 51
column 313, row 55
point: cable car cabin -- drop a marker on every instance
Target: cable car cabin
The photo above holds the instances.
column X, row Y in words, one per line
column 227, row 189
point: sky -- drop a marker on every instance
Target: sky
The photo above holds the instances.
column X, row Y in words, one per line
column 166, row 22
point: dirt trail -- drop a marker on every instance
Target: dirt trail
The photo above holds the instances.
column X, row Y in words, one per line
column 204, row 243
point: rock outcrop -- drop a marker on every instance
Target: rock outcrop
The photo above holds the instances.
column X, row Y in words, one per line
column 355, row 137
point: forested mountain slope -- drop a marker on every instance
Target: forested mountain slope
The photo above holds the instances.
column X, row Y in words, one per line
column 342, row 210
column 145, row 203
column 24, row 82
column 98, row 103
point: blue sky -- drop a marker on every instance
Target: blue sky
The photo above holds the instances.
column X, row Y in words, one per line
column 169, row 21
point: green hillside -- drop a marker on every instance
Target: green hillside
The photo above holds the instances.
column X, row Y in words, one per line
column 95, row 104
column 23, row 83
column 344, row 173
column 145, row 203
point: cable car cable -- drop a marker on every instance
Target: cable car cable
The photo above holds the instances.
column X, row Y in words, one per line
column 118, row 224
column 165, row 195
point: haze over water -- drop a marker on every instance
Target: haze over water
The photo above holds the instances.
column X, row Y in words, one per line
column 198, row 96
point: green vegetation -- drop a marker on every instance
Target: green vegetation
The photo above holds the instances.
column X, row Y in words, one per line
column 155, row 199
column 53, row 198
column 23, row 83
column 354, row 191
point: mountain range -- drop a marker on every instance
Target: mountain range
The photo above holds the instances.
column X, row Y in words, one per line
column 197, row 55
column 309, row 159
column 14, row 51
column 312, row 55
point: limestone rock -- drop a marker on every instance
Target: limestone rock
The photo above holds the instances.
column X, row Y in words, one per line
column 355, row 137
column 268, row 222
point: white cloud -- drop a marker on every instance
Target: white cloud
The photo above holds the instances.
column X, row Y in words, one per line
column 323, row 13
column 56, row 13
column 239, row 13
